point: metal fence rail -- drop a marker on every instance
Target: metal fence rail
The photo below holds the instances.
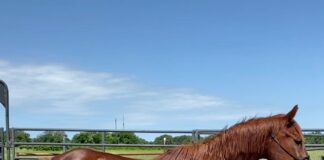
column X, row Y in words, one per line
column 196, row 136
column 102, row 130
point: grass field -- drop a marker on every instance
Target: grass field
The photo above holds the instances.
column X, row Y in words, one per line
column 137, row 151
column 315, row 155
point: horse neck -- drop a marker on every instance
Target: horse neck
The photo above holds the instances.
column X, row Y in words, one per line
column 242, row 141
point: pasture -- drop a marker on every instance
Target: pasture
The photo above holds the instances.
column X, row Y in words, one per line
column 316, row 155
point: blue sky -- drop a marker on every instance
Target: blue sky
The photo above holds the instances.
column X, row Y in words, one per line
column 163, row 64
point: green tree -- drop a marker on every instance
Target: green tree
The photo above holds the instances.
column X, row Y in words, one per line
column 160, row 139
column 110, row 138
column 182, row 139
column 21, row 136
column 126, row 138
column 316, row 138
column 51, row 137
column 87, row 137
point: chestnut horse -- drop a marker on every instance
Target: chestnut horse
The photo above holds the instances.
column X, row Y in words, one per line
column 276, row 137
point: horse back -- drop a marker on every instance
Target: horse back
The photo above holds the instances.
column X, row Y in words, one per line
column 88, row 154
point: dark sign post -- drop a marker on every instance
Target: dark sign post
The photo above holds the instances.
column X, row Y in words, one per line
column 4, row 100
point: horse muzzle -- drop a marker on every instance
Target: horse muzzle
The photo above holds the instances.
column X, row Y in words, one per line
column 304, row 158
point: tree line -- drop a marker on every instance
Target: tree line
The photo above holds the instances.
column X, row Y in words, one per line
column 315, row 138
column 95, row 138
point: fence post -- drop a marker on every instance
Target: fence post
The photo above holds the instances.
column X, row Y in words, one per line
column 13, row 135
column 194, row 138
column 64, row 141
column 198, row 136
column 4, row 100
column 103, row 140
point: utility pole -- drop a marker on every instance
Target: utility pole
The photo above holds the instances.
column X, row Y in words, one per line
column 115, row 123
column 123, row 121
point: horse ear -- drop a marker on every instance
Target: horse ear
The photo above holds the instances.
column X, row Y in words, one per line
column 290, row 115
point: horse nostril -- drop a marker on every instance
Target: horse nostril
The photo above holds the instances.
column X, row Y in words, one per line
column 307, row 158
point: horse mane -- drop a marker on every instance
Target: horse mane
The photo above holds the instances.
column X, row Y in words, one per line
column 247, row 136
column 244, row 121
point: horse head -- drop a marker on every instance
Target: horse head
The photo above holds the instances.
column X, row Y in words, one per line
column 286, row 141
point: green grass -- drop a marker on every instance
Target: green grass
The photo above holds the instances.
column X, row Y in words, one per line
column 137, row 151
column 316, row 155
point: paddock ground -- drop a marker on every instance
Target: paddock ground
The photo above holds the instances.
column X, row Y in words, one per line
column 315, row 155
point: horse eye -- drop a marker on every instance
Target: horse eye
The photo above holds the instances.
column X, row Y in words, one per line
column 298, row 142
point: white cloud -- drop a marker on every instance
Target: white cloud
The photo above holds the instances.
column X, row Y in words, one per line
column 56, row 90
column 176, row 100
column 63, row 88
